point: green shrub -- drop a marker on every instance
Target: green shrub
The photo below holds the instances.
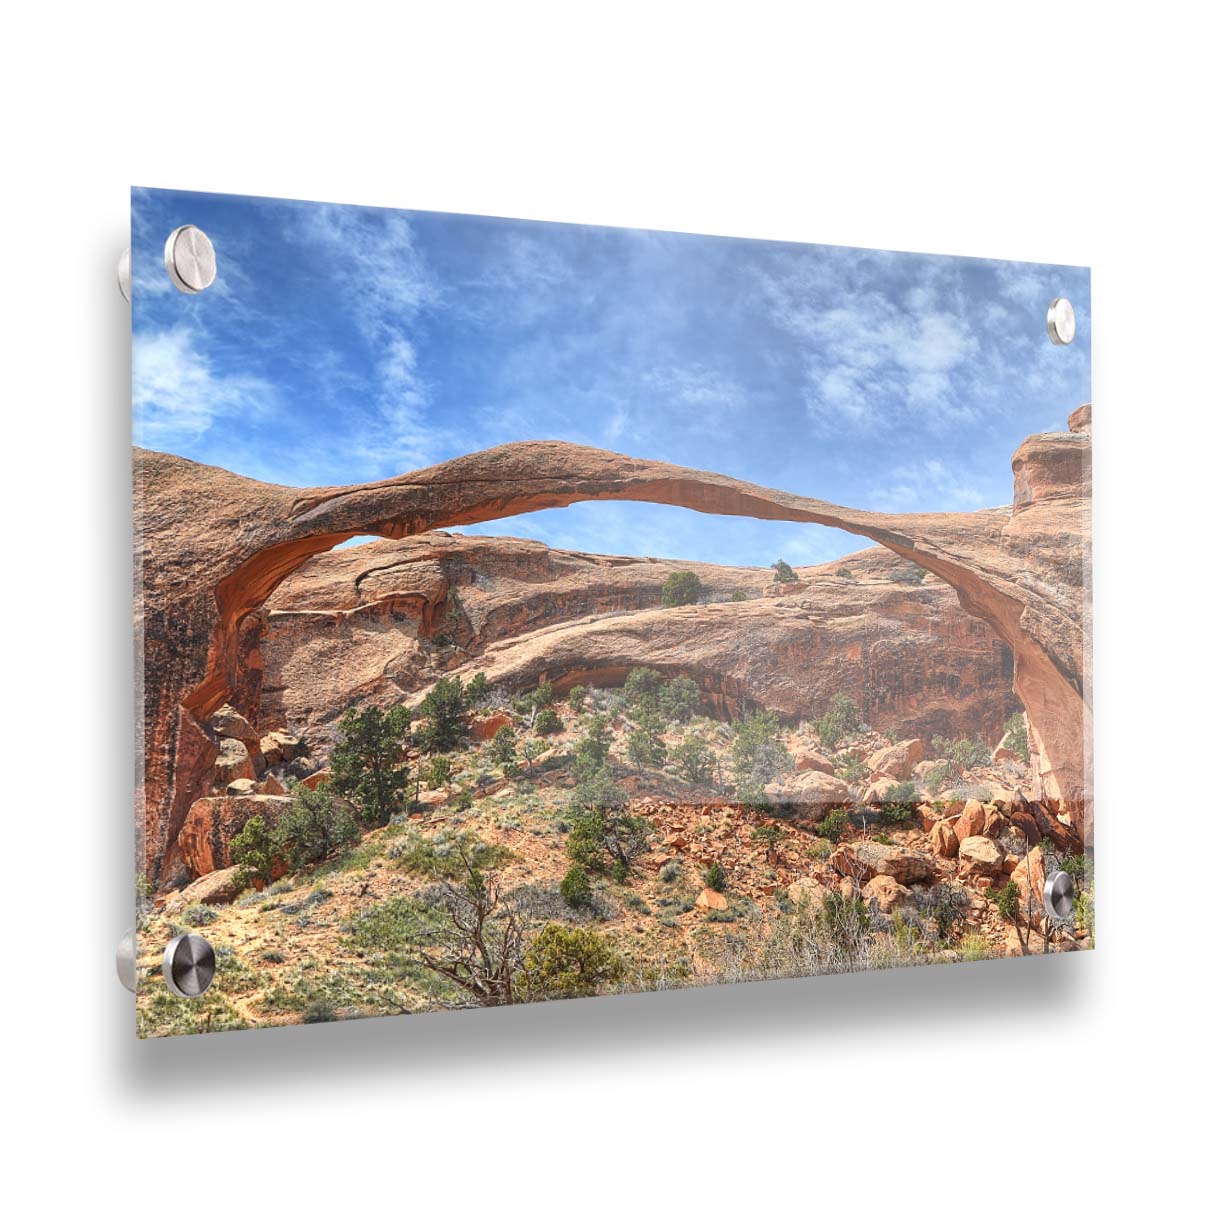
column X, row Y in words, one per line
column 564, row 962
column 315, row 827
column 739, row 596
column 368, row 762
column 845, row 572
column 669, row 873
column 822, row 848
column 911, row 575
column 548, row 722
column 849, row 768
column 964, row 752
column 833, row 825
column 695, row 760
column 477, row 692
column 783, row 572
column 442, row 855
column 757, row 756
column 642, row 685
column 198, row 915
column 769, row 835
column 1015, row 735
column 1007, row 900
column 939, row 777
column 443, row 710
column 679, row 699
column 975, row 947
column 533, row 749
column 681, row 587
column 715, row 877
column 577, row 698
column 540, row 697
column 604, row 834
column 898, row 804
column 318, row 1011
column 253, row 849
column 438, row 772
column 591, row 752
column 644, row 745
column 946, row 905
column 841, row 719
column 502, row 748
column 576, row 888
column 463, row 799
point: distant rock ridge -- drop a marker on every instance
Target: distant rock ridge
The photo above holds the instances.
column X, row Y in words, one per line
column 211, row 547
column 401, row 614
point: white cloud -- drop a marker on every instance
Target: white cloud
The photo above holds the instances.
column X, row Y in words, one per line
column 927, row 485
column 383, row 281
column 693, row 387
column 177, row 396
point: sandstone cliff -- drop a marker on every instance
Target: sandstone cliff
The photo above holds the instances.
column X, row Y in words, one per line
column 382, row 621
column 211, row 547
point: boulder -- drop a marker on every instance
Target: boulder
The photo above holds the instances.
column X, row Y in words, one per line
column 866, row 859
column 233, row 762
column 807, row 892
column 1029, row 877
column 897, row 760
column 484, row 729
column 944, row 841
column 809, row 789
column 229, row 724
column 215, row 888
column 242, row 786
column 808, row 758
column 211, row 825
column 708, row 899
column 1002, row 753
column 876, row 791
column 994, row 823
column 886, row 892
column 971, row 821
column 290, row 746
column 313, row 781
column 930, row 817
column 980, row 854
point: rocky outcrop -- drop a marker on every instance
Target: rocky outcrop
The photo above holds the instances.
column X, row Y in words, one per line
column 910, row 657
column 211, row 547
column 863, row 860
column 203, row 841
column 897, row 760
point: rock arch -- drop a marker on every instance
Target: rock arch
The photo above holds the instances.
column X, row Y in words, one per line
column 211, row 547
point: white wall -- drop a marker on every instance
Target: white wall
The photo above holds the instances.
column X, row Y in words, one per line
column 1082, row 1087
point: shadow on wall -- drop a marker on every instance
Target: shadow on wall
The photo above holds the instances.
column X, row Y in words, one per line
column 458, row 1047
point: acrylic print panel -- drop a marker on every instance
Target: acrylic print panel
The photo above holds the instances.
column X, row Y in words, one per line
column 532, row 611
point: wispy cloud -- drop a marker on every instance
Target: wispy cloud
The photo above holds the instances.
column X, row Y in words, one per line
column 382, row 281
column 930, row 484
column 177, row 394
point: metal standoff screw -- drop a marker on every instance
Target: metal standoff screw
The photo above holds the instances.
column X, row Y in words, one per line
column 1059, row 896
column 1060, row 321
column 125, row 961
column 190, row 259
column 189, row 965
column 124, row 272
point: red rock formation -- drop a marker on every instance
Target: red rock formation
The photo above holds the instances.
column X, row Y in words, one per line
column 211, row 547
column 908, row 655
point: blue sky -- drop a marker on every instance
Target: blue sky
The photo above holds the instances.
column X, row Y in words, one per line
column 343, row 344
